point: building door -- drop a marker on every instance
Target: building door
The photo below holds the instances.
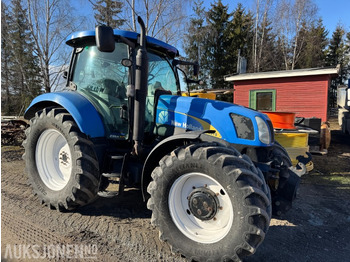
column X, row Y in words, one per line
column 264, row 100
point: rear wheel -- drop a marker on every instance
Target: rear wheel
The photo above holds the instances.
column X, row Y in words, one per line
column 209, row 203
column 60, row 160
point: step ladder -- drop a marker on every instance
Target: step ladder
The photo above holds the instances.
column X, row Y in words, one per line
column 115, row 179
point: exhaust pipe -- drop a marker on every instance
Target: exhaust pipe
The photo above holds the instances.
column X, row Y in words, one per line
column 141, row 80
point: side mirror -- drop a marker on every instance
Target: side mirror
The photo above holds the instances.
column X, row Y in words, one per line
column 105, row 38
column 198, row 82
column 194, row 64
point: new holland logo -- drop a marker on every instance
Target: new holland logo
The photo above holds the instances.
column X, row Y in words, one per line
column 163, row 117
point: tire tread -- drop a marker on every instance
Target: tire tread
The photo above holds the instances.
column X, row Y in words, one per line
column 254, row 191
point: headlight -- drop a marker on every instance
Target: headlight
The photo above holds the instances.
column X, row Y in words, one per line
column 264, row 132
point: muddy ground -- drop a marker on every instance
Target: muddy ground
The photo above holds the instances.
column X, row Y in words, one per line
column 316, row 229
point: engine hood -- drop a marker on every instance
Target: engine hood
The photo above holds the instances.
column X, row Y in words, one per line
column 190, row 113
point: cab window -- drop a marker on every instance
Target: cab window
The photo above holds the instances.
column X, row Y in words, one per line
column 101, row 78
column 160, row 77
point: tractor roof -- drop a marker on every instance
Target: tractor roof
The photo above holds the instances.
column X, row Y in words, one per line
column 79, row 39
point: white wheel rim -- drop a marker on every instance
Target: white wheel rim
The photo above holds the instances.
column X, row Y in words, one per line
column 203, row 231
column 53, row 159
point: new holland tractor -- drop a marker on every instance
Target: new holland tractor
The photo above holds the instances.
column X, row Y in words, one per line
column 211, row 171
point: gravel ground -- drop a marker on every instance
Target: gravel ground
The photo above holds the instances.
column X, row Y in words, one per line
column 316, row 229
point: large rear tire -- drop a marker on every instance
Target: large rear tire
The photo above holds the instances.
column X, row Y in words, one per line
column 61, row 164
column 210, row 203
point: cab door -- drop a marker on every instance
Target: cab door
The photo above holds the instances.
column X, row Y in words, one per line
column 161, row 76
column 102, row 79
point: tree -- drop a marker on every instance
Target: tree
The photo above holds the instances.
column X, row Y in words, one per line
column 269, row 58
column 50, row 23
column 291, row 19
column 164, row 19
column 27, row 70
column 336, row 47
column 6, row 58
column 20, row 65
column 346, row 65
column 337, row 53
column 217, row 45
column 240, row 37
column 263, row 36
column 107, row 12
column 313, row 53
column 195, row 37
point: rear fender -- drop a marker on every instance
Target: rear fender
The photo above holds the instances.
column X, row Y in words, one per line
column 84, row 113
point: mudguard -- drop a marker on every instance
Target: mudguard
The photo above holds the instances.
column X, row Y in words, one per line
column 83, row 112
column 169, row 144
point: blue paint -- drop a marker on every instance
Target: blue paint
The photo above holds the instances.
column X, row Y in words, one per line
column 127, row 34
column 83, row 112
column 202, row 114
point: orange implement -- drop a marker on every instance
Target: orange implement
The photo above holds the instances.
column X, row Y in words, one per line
column 281, row 120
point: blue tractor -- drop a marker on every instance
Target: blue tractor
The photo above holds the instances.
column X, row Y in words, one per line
column 210, row 171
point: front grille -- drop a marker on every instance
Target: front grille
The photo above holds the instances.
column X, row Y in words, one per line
column 243, row 126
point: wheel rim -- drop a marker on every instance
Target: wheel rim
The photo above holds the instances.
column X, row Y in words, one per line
column 53, row 159
column 199, row 230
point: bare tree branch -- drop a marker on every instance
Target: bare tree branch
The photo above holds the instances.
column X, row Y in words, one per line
column 50, row 22
column 163, row 18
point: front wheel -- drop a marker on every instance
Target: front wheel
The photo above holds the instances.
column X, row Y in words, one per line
column 285, row 193
column 60, row 160
column 209, row 203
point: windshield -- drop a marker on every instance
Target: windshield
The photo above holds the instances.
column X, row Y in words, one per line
column 93, row 66
column 102, row 79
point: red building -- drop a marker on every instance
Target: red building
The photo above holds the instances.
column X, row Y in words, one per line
column 303, row 91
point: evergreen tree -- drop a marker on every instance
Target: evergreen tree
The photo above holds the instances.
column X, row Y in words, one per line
column 300, row 45
column 336, row 47
column 195, row 38
column 240, row 36
column 263, row 44
column 269, row 58
column 346, row 65
column 28, row 71
column 217, row 45
column 336, row 53
column 314, row 51
column 22, row 77
column 107, row 12
column 7, row 105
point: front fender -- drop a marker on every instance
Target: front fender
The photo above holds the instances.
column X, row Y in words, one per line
column 84, row 113
column 166, row 146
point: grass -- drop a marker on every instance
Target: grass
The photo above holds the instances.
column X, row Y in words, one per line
column 338, row 180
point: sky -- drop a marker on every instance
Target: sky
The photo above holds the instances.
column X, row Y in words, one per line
column 332, row 12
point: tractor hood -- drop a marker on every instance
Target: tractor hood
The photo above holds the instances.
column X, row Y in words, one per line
column 233, row 123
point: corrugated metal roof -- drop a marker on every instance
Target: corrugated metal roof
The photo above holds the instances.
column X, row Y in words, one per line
column 285, row 73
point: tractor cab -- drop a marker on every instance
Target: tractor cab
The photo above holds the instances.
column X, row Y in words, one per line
column 107, row 79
